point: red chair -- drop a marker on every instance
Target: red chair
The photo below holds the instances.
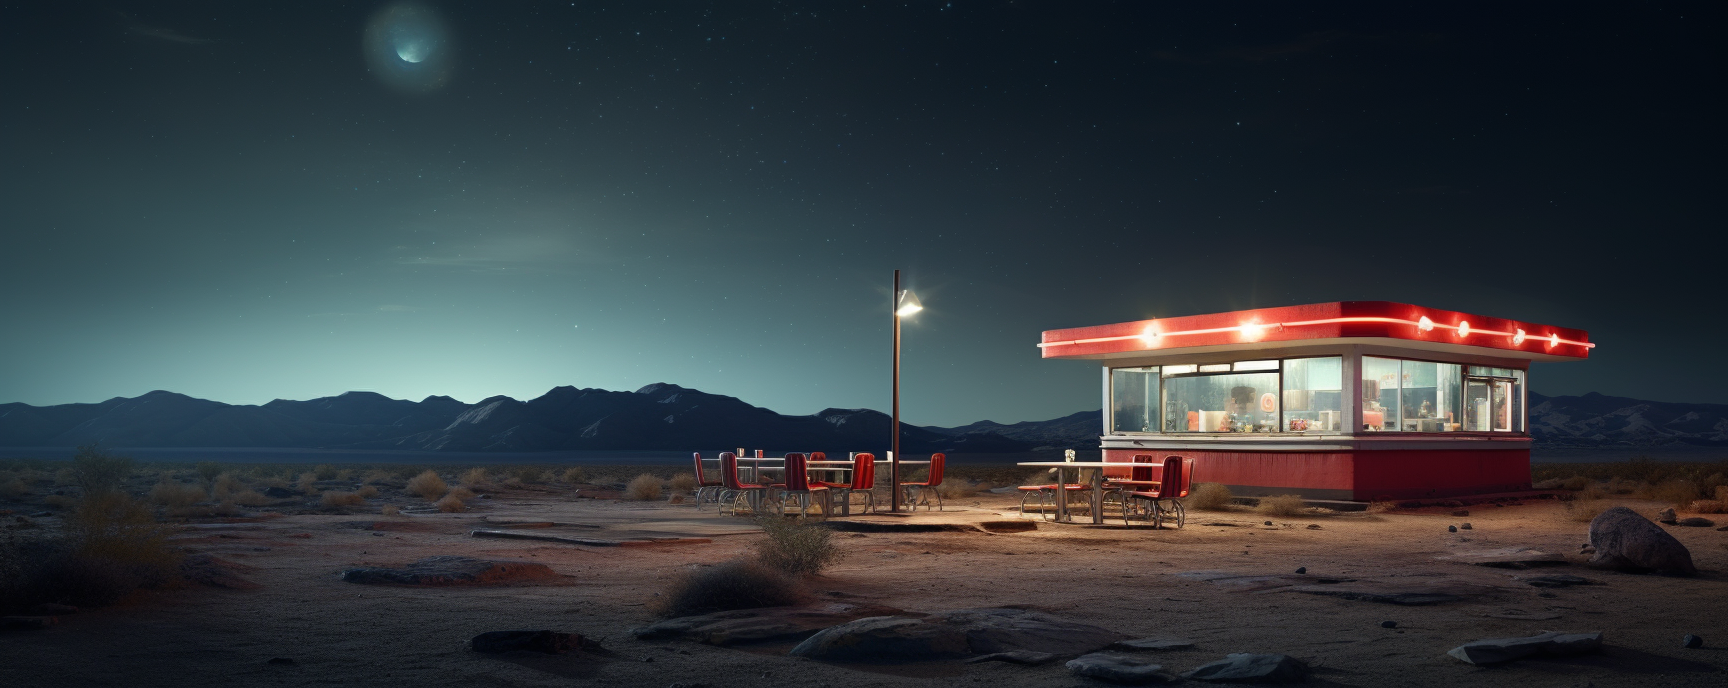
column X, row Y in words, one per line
column 863, row 480
column 708, row 485
column 1047, row 492
column 1161, row 497
column 924, row 489
column 798, row 486
column 733, row 490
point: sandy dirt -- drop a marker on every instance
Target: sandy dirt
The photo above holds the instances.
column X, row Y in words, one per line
column 1140, row 582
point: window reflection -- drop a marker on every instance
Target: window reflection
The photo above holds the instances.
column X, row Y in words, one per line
column 1133, row 399
column 1313, row 390
column 1232, row 402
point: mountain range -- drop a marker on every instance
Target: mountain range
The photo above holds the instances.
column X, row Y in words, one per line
column 670, row 417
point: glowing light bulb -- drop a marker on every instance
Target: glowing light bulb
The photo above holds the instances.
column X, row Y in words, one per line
column 1518, row 338
column 1251, row 330
column 1553, row 340
column 1463, row 328
column 1424, row 324
column 1150, row 336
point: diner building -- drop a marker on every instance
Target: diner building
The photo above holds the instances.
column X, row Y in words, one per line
column 1353, row 400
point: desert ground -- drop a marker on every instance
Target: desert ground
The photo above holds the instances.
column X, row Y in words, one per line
column 1226, row 581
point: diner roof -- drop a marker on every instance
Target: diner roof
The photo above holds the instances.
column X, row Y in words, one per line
column 1385, row 323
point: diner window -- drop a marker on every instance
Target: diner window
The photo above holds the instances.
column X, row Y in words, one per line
column 1134, row 399
column 1493, row 399
column 1313, row 390
column 1428, row 398
column 1379, row 393
column 1224, row 402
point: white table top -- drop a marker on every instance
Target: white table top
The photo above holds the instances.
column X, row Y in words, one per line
column 1085, row 464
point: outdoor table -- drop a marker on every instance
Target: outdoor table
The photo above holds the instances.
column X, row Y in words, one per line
column 1062, row 495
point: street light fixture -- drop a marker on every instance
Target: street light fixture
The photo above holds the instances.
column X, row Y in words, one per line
column 905, row 303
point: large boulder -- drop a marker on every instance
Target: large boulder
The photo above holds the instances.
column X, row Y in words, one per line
column 953, row 634
column 1118, row 669
column 1497, row 650
column 1629, row 542
column 1245, row 667
column 452, row 570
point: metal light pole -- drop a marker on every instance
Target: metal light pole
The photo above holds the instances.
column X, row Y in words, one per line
column 904, row 303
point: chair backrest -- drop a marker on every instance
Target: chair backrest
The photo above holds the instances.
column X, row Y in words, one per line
column 1125, row 472
column 797, row 472
column 1176, row 477
column 936, row 462
column 818, row 456
column 864, row 471
column 729, row 471
column 1146, row 468
column 697, row 456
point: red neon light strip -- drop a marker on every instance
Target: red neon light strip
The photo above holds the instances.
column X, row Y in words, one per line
column 1328, row 321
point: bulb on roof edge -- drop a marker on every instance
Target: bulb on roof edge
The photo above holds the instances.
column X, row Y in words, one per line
column 1251, row 330
column 1463, row 328
column 1553, row 340
column 1424, row 324
column 1150, row 336
column 1518, row 339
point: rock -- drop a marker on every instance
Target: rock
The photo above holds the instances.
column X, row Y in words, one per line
column 1268, row 523
column 1451, row 529
column 1558, row 581
column 530, row 641
column 1314, row 526
column 280, row 492
column 1242, row 667
column 1118, row 669
column 27, row 623
column 1691, row 642
column 1505, row 557
column 42, row 514
column 1666, row 515
column 755, row 625
column 52, row 609
column 448, row 570
column 1388, row 624
column 1697, row 522
column 1461, row 513
column 1465, row 526
column 1152, row 644
column 956, row 633
column 1025, row 657
column 1629, row 542
column 1301, row 570
column 1371, row 592
column 1497, row 650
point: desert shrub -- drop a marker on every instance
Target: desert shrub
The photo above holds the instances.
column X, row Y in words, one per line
column 96, row 470
column 683, row 482
column 65, row 477
column 476, row 478
column 1678, row 492
column 1590, row 492
column 247, row 498
column 449, row 504
column 391, row 510
column 208, row 470
column 226, row 508
column 367, row 492
column 1281, row 505
column 460, row 493
column 1585, row 511
column 115, row 546
column 1621, row 486
column 643, row 487
column 1209, row 496
column 956, row 487
column 530, row 474
column 795, row 547
column 14, row 488
column 427, row 485
column 335, row 498
column 1708, row 506
column 176, row 494
column 512, row 482
column 324, row 471
column 724, row 587
column 1575, row 483
column 377, row 477
column 308, row 483
column 1722, row 494
column 226, row 484
column 574, row 475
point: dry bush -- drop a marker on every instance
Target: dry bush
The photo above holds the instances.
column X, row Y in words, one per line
column 308, row 483
column 367, row 492
column 247, row 498
column 512, row 482
column 796, row 547
column 1586, row 511
column 65, row 477
column 530, row 474
column 334, row 498
column 325, row 472
column 449, row 504
column 1381, row 506
column 574, row 475
column 391, row 510
column 1591, row 492
column 115, row 546
column 476, row 478
column 208, row 470
column 1281, row 505
column 1708, row 506
column 176, row 494
column 1722, row 494
column 952, row 488
column 1575, row 483
column 683, row 483
column 427, row 485
column 1209, row 497
column 377, row 477
column 226, row 484
column 725, row 587
column 460, row 493
column 1621, row 486
column 643, row 487
column 14, row 488
column 1678, row 493
column 95, row 470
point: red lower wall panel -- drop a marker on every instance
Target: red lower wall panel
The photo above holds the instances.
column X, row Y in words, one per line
column 1357, row 475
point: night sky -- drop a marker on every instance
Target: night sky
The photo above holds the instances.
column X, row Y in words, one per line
column 241, row 201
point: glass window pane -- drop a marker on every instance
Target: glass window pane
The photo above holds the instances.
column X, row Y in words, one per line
column 1379, row 393
column 1313, row 390
column 1234, row 402
column 1179, row 369
column 1518, row 400
column 1215, row 368
column 1240, row 366
column 1478, row 407
column 1133, row 399
column 1428, row 396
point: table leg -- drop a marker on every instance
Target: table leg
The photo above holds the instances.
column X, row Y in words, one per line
column 1062, row 495
column 1097, row 496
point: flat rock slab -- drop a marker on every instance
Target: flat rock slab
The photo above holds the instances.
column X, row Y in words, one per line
column 1519, row 615
column 1506, row 557
column 1403, row 594
column 1157, row 644
column 1549, row 643
column 446, row 570
column 1242, row 667
column 743, row 626
column 1628, row 542
column 953, row 634
column 1697, row 522
column 1119, row 669
column 1023, row 657
column 1558, row 581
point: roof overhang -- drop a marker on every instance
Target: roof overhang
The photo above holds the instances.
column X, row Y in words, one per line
column 1383, row 323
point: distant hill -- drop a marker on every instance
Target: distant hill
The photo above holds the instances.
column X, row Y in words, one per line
column 1595, row 420
column 659, row 416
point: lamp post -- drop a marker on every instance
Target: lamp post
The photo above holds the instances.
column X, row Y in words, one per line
column 904, row 303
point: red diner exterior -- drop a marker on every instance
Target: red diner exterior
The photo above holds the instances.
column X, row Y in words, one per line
column 1352, row 400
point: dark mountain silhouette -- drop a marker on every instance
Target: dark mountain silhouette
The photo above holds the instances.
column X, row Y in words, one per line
column 1595, row 420
column 659, row 416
